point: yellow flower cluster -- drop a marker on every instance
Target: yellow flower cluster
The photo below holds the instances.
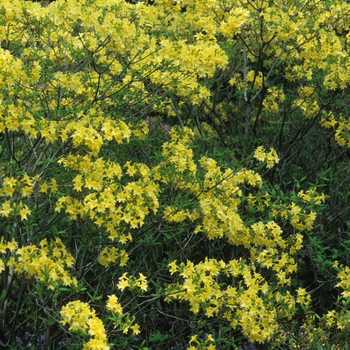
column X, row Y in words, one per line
column 46, row 263
column 132, row 282
column 15, row 187
column 110, row 255
column 271, row 157
column 5, row 247
column 255, row 78
column 178, row 154
column 273, row 99
column 339, row 317
column 218, row 192
column 307, row 102
column 237, row 18
column 311, row 196
column 122, row 320
column 98, row 186
column 253, row 302
column 114, row 305
column 344, row 276
column 342, row 134
column 81, row 318
column 328, row 119
column 249, row 302
column 202, row 344
column 300, row 219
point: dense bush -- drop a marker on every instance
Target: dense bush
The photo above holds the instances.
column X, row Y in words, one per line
column 174, row 174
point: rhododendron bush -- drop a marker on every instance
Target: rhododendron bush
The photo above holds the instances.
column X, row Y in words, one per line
column 174, row 174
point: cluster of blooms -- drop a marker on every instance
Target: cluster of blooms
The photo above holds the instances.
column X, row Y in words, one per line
column 340, row 317
column 5, row 247
column 178, row 166
column 122, row 320
column 312, row 196
column 271, row 157
column 233, row 23
column 255, row 78
column 251, row 302
column 273, row 99
column 306, row 101
column 202, row 344
column 255, row 301
column 99, row 186
column 342, row 134
column 299, row 217
column 132, row 282
column 81, row 318
column 219, row 199
column 110, row 255
column 46, row 263
column 217, row 191
column 23, row 187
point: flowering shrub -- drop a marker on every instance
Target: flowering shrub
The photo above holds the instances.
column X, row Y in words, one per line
column 165, row 169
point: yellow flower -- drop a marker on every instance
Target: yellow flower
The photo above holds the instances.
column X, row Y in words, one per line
column 96, row 328
column 331, row 316
column 24, row 212
column 194, row 339
column 6, row 208
column 142, row 282
column 12, row 246
column 135, row 328
column 173, row 267
column 123, row 282
column 78, row 182
column 44, row 187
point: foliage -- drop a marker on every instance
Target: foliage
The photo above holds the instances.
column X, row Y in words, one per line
column 174, row 174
